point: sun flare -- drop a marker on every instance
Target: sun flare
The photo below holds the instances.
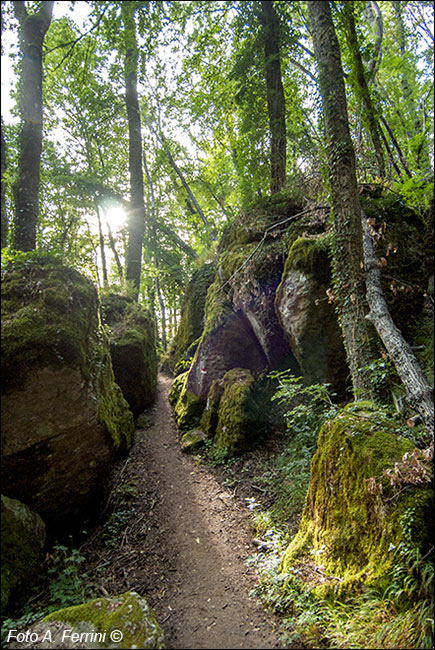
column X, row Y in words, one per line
column 116, row 217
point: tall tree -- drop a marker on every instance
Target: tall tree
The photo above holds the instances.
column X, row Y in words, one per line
column 275, row 94
column 4, row 215
column 32, row 30
column 348, row 253
column 136, row 216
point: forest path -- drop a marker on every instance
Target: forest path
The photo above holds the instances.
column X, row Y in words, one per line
column 185, row 547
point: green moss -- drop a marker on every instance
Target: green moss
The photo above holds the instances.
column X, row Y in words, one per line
column 192, row 312
column 351, row 525
column 48, row 314
column 177, row 386
column 192, row 440
column 188, row 409
column 238, row 414
column 22, row 541
column 311, row 256
column 50, row 318
column 129, row 613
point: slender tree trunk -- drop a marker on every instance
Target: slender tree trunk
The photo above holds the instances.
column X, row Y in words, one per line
column 275, row 94
column 102, row 250
column 163, row 313
column 161, row 138
column 418, row 390
column 136, row 217
column 363, row 87
column 33, row 28
column 348, row 253
column 4, row 214
column 115, row 252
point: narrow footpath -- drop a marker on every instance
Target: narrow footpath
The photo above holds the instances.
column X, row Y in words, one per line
column 186, row 545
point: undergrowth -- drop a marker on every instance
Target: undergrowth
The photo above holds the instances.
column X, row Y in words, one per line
column 401, row 616
column 64, row 581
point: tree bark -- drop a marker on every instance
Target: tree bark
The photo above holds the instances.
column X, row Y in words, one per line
column 418, row 390
column 275, row 94
column 348, row 251
column 4, row 214
column 136, row 216
column 363, row 88
column 32, row 30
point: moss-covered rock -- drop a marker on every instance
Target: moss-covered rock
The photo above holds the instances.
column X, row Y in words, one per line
column 124, row 621
column 64, row 419
column 192, row 440
column 238, row 414
column 132, row 338
column 306, row 315
column 188, row 408
column 22, row 541
column 191, row 322
column 351, row 524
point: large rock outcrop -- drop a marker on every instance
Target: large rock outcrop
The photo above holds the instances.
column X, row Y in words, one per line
column 132, row 338
column 308, row 317
column 191, row 322
column 22, row 542
column 64, row 419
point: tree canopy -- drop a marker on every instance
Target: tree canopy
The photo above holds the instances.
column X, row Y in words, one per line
column 200, row 108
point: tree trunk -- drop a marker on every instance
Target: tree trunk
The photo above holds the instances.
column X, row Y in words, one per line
column 102, row 250
column 418, row 390
column 162, row 312
column 32, row 28
column 348, row 252
column 4, row 216
column 275, row 94
column 161, row 138
column 363, row 87
column 136, row 216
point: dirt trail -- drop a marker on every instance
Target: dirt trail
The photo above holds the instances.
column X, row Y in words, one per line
column 185, row 547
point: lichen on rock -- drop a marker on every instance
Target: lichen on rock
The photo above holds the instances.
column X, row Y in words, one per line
column 125, row 622
column 22, row 542
column 351, row 524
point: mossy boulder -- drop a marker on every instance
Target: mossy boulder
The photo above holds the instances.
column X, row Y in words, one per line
column 124, row 621
column 352, row 521
column 238, row 414
column 132, row 339
column 306, row 315
column 22, row 542
column 188, row 408
column 191, row 322
column 64, row 420
column 192, row 440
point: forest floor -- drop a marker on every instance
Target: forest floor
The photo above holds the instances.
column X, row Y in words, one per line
column 184, row 541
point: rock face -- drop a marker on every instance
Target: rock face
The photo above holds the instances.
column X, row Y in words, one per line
column 64, row 419
column 133, row 350
column 354, row 518
column 192, row 318
column 22, row 541
column 306, row 315
column 123, row 622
